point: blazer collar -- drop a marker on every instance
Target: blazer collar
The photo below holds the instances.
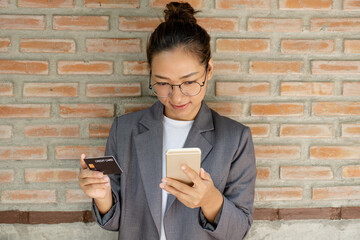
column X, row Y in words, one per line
column 148, row 144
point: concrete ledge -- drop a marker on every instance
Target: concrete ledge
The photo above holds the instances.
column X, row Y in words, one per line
column 268, row 214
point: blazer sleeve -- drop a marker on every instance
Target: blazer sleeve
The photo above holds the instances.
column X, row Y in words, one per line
column 111, row 219
column 236, row 216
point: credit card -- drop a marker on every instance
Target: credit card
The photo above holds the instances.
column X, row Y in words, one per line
column 106, row 164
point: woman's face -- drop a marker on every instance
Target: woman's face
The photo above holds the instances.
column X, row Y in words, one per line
column 175, row 67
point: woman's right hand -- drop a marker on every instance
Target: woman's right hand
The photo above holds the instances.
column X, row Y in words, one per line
column 95, row 185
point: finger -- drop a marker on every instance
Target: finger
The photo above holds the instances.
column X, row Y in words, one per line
column 87, row 173
column 205, row 175
column 182, row 197
column 82, row 162
column 181, row 187
column 91, row 181
column 194, row 177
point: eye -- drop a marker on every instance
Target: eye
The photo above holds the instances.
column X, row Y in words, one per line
column 189, row 83
column 162, row 83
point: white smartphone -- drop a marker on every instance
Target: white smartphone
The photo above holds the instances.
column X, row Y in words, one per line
column 176, row 157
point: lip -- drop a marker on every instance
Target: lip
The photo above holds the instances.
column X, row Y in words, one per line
column 179, row 107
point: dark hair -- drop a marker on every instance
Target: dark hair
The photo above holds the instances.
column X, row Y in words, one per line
column 180, row 30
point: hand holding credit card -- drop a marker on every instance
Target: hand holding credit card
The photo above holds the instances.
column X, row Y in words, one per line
column 105, row 164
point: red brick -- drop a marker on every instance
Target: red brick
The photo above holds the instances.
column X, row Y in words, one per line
column 219, row 24
column 328, row 213
column 238, row 89
column 351, row 5
column 277, row 152
column 335, row 152
column 277, row 109
column 99, row 130
column 305, row 89
column 243, row 45
column 136, row 68
column 28, row 196
column 113, row 45
column 24, row 67
column 305, row 4
column 81, row 23
column 23, row 153
column 276, row 67
column 263, row 173
column 76, row 196
column 22, row 22
column 46, row 4
column 6, row 89
column 228, row 109
column 4, row 44
column 227, row 68
column 352, row 46
column 305, row 173
column 52, row 131
column 274, row 25
column 141, row 24
column 335, row 24
column 56, row 175
column 350, row 130
column 242, row 4
column 278, row 194
column 336, row 193
column 308, row 46
column 86, row 110
column 85, row 68
column 162, row 3
column 306, row 131
column 336, row 109
column 351, row 89
column 112, row 3
column 259, row 130
column 5, row 131
column 24, row 110
column 74, row 152
column 351, row 171
column 4, row 3
column 50, row 90
column 113, row 90
column 138, row 24
column 335, row 67
column 6, row 176
column 47, row 45
column 134, row 107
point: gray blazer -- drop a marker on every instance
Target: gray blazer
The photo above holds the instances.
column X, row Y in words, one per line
column 135, row 140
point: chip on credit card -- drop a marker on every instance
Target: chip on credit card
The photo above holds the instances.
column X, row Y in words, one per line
column 106, row 164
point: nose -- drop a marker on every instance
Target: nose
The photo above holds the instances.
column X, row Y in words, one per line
column 177, row 95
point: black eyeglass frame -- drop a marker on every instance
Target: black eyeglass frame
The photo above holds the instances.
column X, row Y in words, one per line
column 179, row 85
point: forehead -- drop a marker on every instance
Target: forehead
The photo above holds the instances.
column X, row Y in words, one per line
column 176, row 62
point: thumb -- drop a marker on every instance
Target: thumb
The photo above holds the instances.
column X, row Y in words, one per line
column 82, row 162
column 205, row 175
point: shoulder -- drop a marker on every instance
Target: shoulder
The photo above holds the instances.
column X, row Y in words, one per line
column 228, row 124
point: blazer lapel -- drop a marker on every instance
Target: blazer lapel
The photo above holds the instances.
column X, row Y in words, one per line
column 148, row 146
column 200, row 135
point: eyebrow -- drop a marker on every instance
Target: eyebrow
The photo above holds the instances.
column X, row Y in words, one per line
column 185, row 76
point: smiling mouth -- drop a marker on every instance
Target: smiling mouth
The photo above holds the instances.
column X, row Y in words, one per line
column 179, row 106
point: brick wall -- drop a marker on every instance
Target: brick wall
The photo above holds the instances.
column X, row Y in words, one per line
column 289, row 69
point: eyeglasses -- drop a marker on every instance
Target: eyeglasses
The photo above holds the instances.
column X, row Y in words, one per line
column 188, row 88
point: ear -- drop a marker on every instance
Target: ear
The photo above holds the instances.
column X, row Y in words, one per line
column 210, row 71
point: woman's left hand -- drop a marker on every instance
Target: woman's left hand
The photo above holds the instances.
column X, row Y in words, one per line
column 202, row 194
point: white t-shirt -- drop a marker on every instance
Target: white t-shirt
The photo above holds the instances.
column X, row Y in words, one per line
column 174, row 136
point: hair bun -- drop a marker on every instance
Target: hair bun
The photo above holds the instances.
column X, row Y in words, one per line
column 182, row 12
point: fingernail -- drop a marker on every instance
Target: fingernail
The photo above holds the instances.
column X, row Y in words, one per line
column 162, row 185
column 106, row 178
column 107, row 184
column 164, row 180
column 100, row 174
column 183, row 167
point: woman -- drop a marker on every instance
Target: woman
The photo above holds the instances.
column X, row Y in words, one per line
column 142, row 203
